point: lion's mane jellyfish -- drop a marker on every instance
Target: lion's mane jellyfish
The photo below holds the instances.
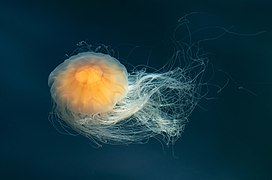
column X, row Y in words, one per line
column 95, row 95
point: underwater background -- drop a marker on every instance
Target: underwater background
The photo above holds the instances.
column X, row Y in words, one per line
column 228, row 135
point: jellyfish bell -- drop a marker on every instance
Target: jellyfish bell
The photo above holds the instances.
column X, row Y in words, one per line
column 88, row 83
column 95, row 95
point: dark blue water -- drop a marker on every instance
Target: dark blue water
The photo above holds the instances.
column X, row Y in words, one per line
column 227, row 138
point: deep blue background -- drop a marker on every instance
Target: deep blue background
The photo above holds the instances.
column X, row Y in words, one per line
column 230, row 139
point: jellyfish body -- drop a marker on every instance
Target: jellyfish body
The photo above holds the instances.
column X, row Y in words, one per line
column 96, row 96
column 89, row 83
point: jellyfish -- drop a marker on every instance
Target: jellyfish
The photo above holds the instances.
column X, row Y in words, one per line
column 95, row 95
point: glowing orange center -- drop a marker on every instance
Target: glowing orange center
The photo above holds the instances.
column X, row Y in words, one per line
column 89, row 75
